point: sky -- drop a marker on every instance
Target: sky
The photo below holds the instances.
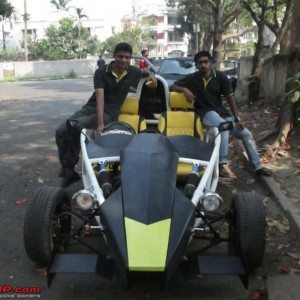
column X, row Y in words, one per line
column 94, row 9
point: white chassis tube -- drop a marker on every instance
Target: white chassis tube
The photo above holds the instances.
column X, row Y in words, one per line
column 208, row 181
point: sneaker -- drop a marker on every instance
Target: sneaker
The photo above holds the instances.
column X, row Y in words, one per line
column 70, row 177
column 263, row 171
column 225, row 171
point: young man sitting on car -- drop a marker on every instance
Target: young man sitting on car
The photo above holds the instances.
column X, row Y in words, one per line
column 205, row 88
column 112, row 84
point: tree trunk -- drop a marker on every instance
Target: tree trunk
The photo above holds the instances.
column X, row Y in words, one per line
column 285, row 41
column 217, row 37
column 3, row 35
column 289, row 109
column 254, row 84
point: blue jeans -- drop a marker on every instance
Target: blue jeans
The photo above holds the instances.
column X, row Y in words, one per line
column 212, row 118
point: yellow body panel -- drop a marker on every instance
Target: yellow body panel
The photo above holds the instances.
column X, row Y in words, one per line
column 147, row 245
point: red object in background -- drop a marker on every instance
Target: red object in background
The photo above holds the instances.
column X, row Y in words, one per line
column 143, row 64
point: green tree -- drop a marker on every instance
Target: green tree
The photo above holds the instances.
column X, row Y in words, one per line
column 61, row 4
column 273, row 14
column 6, row 12
column 59, row 43
column 133, row 35
column 214, row 17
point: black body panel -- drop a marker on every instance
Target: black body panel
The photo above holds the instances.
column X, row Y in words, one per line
column 112, row 218
column 183, row 218
column 107, row 145
column 191, row 147
column 149, row 165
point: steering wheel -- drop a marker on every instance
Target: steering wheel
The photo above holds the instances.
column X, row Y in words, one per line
column 118, row 128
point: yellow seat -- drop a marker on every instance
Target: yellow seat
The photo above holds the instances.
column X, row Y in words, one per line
column 181, row 120
column 129, row 114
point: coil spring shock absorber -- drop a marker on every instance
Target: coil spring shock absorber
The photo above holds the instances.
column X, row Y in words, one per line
column 192, row 182
column 104, row 180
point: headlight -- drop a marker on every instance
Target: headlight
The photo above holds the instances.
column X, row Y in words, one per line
column 211, row 202
column 84, row 199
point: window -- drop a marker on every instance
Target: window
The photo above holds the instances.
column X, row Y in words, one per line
column 172, row 20
column 175, row 36
column 160, row 36
column 31, row 33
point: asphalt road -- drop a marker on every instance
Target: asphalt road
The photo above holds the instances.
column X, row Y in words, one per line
column 28, row 159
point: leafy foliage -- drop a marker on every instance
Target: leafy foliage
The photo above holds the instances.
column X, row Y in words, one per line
column 61, row 4
column 9, row 54
column 6, row 12
column 60, row 43
column 134, row 35
column 294, row 93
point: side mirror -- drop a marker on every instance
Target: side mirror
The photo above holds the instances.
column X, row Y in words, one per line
column 224, row 126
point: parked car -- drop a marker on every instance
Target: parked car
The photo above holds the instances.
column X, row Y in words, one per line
column 176, row 68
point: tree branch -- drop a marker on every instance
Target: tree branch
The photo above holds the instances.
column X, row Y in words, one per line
column 226, row 23
column 284, row 25
column 237, row 34
column 252, row 12
column 212, row 3
column 233, row 10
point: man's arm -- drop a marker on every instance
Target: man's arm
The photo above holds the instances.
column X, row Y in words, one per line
column 231, row 102
column 100, row 109
column 179, row 89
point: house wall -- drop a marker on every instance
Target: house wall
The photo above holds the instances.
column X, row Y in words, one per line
column 46, row 69
column 273, row 78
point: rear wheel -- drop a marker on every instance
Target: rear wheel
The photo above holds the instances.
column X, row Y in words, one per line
column 45, row 223
column 247, row 229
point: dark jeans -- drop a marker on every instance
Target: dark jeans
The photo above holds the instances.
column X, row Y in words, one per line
column 68, row 138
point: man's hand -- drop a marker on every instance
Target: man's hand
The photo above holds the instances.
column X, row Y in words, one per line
column 100, row 128
column 151, row 82
column 240, row 125
column 189, row 95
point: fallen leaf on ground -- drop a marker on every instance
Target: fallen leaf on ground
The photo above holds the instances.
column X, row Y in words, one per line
column 294, row 255
column 21, row 201
column 282, row 153
column 250, row 181
column 41, row 271
column 257, row 295
column 296, row 163
column 40, row 180
column 285, row 269
column 280, row 247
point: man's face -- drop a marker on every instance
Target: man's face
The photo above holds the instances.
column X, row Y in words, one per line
column 122, row 59
column 203, row 64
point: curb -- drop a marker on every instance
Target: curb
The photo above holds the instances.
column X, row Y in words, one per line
column 290, row 210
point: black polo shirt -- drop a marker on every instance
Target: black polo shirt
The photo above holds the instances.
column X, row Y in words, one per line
column 115, row 90
column 208, row 97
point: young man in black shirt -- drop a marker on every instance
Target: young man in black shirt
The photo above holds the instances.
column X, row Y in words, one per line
column 205, row 88
column 112, row 84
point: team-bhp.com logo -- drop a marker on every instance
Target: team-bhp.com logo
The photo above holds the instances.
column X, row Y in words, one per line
column 8, row 291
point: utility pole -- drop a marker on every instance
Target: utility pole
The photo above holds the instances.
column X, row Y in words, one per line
column 25, row 18
column 196, row 26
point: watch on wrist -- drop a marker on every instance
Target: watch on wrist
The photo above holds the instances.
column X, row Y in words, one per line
column 237, row 119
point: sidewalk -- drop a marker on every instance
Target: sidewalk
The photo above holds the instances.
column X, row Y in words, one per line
column 284, row 184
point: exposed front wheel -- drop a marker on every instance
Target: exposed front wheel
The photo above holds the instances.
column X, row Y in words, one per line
column 247, row 229
column 46, row 223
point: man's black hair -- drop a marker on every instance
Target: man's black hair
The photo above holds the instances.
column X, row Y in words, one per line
column 201, row 54
column 123, row 47
column 144, row 51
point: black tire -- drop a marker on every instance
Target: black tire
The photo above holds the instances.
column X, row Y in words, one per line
column 42, row 227
column 247, row 229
